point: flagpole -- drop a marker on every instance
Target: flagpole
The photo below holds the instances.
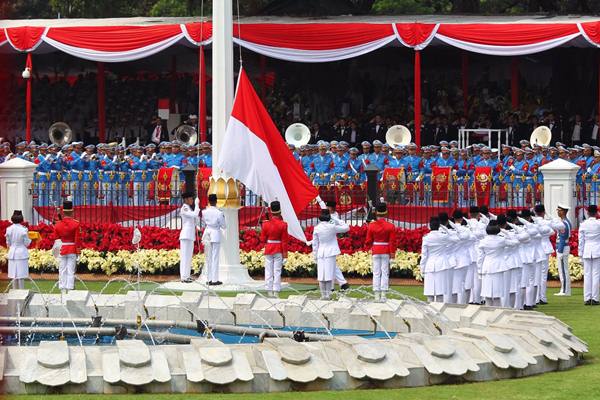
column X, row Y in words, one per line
column 231, row 272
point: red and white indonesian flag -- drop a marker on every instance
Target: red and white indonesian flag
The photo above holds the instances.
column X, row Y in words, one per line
column 254, row 153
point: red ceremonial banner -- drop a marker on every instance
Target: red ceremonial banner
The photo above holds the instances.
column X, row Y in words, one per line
column 202, row 185
column 163, row 184
column 440, row 183
column 483, row 185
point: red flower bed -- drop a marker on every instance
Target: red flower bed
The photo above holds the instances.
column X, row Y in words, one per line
column 112, row 237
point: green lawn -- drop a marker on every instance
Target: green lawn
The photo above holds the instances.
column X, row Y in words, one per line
column 581, row 383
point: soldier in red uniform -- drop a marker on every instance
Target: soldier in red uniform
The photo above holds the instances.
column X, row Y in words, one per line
column 274, row 234
column 67, row 230
column 381, row 236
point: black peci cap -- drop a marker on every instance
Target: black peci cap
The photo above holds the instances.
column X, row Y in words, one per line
column 382, row 209
column 275, row 207
column 67, row 205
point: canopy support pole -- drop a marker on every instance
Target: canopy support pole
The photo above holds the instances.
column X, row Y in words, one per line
column 28, row 65
column 263, row 73
column 598, row 87
column 514, row 83
column 417, row 96
column 465, row 82
column 173, row 85
column 101, row 92
column 202, row 94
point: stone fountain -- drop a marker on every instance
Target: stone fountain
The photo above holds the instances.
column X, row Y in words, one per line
column 170, row 343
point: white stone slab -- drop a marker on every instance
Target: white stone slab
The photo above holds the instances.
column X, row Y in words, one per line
column 53, row 354
column 133, row 353
column 111, row 368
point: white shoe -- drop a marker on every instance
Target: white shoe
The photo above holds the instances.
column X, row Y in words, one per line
column 377, row 296
column 275, row 295
column 559, row 294
column 382, row 298
column 269, row 293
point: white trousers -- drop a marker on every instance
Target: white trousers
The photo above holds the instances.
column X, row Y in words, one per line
column 186, row 252
column 338, row 276
column 66, row 271
column 273, row 266
column 564, row 274
column 591, row 279
column 459, row 277
column 529, row 271
column 381, row 272
column 543, row 280
column 212, row 263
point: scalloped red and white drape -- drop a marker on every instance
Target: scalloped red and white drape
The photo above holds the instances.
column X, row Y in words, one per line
column 304, row 42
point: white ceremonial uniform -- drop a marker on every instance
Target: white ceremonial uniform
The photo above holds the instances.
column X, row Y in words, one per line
column 187, row 237
column 435, row 263
column 17, row 240
column 214, row 220
column 325, row 249
column 589, row 251
column 492, row 264
column 463, row 257
column 530, row 257
column 473, row 280
column 339, row 276
column 512, row 262
column 545, row 228
column 517, row 282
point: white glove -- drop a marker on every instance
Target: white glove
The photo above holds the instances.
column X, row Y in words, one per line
column 452, row 224
column 523, row 221
column 512, row 168
column 284, row 261
column 197, row 202
column 309, row 243
column 143, row 157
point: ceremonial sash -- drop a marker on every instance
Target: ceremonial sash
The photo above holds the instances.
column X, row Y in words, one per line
column 163, row 183
column 483, row 185
column 440, row 183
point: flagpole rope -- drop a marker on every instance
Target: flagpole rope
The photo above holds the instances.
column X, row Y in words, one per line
column 239, row 32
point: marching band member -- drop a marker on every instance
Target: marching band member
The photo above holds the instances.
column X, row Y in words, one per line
column 434, row 260
column 190, row 211
column 325, row 249
column 589, row 251
column 381, row 237
column 563, row 228
column 214, row 220
column 67, row 229
column 274, row 234
column 17, row 240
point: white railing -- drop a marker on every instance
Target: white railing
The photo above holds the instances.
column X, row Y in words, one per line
column 464, row 136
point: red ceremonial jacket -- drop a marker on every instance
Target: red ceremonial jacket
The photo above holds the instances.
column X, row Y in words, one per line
column 381, row 236
column 67, row 230
column 274, row 234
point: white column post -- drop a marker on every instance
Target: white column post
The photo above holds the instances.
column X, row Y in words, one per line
column 16, row 180
column 559, row 187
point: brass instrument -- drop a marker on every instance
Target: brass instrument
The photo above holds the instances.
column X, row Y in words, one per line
column 397, row 135
column 297, row 134
column 60, row 134
column 542, row 135
column 186, row 134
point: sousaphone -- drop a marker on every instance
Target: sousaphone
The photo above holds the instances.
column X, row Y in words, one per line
column 542, row 135
column 297, row 134
column 186, row 134
column 60, row 133
column 397, row 135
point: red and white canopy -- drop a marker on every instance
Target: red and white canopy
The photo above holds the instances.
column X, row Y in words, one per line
column 300, row 42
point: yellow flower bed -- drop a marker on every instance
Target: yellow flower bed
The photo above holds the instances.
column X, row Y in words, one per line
column 298, row 264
